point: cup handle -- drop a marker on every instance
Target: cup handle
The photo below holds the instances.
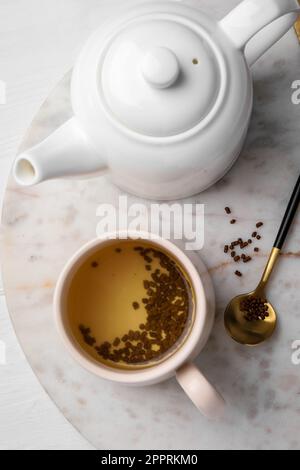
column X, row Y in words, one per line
column 204, row 396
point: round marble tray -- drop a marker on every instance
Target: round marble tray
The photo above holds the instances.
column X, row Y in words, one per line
column 44, row 225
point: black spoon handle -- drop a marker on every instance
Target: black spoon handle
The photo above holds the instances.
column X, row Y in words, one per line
column 288, row 217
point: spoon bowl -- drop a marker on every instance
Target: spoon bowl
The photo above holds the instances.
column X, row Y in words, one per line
column 243, row 331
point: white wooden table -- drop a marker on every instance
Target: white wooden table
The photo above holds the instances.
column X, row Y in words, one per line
column 39, row 40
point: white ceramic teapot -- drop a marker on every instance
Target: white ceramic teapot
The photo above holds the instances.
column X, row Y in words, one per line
column 162, row 98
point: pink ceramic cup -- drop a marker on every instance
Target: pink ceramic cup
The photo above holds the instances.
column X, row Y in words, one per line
column 196, row 386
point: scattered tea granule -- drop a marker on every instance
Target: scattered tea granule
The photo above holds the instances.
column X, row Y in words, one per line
column 228, row 210
column 240, row 243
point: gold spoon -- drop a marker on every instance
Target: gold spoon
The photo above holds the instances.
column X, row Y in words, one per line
column 255, row 332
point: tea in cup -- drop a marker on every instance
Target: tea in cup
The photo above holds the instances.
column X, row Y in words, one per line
column 132, row 308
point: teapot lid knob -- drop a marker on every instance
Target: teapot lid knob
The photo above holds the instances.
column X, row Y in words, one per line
column 160, row 67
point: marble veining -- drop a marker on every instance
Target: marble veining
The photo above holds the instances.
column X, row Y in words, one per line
column 43, row 226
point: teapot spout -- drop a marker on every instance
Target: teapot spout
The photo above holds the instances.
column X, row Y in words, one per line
column 65, row 153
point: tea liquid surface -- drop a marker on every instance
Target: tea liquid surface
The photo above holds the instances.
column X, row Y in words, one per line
column 127, row 295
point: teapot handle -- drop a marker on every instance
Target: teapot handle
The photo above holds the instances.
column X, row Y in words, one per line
column 268, row 19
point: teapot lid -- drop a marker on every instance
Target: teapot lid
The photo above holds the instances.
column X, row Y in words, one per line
column 161, row 75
